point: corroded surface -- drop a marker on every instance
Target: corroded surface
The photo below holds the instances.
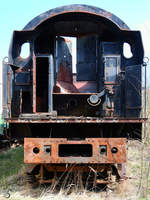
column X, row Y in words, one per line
column 43, row 157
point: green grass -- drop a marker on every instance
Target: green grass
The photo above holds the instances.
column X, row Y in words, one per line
column 11, row 162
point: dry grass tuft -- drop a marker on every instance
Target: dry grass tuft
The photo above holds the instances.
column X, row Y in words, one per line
column 133, row 188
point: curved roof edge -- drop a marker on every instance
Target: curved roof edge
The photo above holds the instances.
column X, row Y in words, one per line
column 75, row 8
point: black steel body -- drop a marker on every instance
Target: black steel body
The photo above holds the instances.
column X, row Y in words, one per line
column 45, row 95
column 96, row 30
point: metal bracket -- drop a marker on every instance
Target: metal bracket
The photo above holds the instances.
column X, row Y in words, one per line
column 94, row 99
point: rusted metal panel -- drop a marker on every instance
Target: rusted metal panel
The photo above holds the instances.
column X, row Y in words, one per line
column 47, row 119
column 64, row 73
column 34, row 84
column 53, row 155
column 86, row 86
column 65, row 88
column 81, row 168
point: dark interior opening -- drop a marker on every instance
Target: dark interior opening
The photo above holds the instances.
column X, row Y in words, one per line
column 75, row 150
column 73, row 24
column 26, row 102
column 77, row 131
column 42, row 64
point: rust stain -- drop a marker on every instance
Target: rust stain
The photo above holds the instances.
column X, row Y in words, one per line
column 43, row 157
column 65, row 81
column 39, row 119
column 34, row 84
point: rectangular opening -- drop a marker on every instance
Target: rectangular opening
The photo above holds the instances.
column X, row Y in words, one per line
column 42, row 66
column 75, row 65
column 75, row 150
column 26, row 102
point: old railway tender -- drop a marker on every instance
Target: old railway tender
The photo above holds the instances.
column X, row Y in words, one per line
column 77, row 97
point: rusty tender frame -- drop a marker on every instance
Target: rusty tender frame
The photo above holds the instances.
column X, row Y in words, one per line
column 52, row 155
